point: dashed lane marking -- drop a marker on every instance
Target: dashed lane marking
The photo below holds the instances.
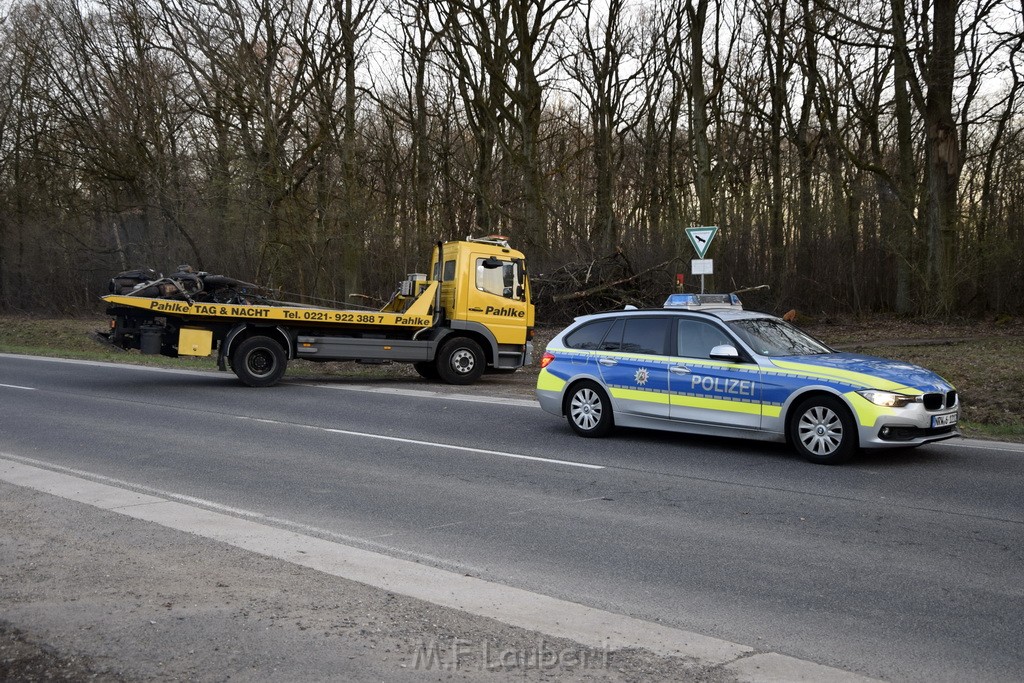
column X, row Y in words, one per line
column 418, row 442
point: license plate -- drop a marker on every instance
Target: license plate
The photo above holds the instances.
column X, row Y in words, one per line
column 946, row 420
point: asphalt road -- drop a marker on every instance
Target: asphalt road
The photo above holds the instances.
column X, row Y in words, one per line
column 902, row 565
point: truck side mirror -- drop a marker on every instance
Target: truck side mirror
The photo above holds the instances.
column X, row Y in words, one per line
column 490, row 262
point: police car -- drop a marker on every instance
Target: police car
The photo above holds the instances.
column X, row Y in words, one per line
column 703, row 365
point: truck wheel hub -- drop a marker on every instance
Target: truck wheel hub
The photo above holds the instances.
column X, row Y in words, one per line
column 463, row 361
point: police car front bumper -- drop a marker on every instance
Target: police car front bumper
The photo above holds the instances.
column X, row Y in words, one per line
column 911, row 425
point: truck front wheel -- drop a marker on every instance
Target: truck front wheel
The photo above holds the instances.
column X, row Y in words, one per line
column 259, row 361
column 460, row 361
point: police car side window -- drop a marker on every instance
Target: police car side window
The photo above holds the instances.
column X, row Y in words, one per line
column 646, row 335
column 613, row 340
column 696, row 338
column 589, row 336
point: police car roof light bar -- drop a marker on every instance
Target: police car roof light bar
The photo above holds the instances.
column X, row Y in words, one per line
column 698, row 302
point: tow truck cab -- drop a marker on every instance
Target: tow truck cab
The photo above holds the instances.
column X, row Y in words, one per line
column 485, row 290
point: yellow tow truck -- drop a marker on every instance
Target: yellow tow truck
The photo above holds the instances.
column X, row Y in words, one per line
column 472, row 313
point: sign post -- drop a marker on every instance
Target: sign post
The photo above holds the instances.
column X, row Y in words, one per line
column 701, row 238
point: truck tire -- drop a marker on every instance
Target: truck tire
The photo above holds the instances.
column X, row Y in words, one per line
column 460, row 361
column 259, row 361
column 427, row 370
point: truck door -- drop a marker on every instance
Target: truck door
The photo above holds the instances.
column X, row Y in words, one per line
column 498, row 297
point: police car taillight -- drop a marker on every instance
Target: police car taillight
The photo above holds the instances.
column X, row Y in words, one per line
column 545, row 360
column 697, row 302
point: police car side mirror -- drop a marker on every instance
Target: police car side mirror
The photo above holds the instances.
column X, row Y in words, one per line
column 725, row 352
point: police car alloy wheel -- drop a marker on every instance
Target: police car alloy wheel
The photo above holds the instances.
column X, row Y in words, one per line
column 588, row 410
column 822, row 430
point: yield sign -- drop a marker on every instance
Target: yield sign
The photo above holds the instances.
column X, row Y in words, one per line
column 701, row 238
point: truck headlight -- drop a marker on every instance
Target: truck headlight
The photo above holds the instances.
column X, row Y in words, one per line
column 887, row 398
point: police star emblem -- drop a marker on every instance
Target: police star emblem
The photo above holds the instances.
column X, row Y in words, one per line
column 641, row 376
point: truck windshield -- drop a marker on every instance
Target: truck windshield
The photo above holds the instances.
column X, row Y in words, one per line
column 774, row 337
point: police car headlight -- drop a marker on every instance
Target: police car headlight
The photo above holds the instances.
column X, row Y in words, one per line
column 887, row 398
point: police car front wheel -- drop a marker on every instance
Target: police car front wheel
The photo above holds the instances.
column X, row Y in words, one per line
column 588, row 410
column 822, row 430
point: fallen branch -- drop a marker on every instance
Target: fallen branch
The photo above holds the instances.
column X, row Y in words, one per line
column 583, row 294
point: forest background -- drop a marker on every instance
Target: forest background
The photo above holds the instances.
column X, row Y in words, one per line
column 858, row 156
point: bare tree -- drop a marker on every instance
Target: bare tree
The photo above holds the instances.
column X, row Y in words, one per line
column 597, row 64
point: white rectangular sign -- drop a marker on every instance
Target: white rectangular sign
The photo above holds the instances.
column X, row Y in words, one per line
column 702, row 266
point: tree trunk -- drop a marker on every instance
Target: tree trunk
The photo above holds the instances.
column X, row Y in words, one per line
column 905, row 179
column 698, row 96
column 351, row 212
column 943, row 156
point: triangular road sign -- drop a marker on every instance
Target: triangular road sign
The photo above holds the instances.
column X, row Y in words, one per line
column 701, row 238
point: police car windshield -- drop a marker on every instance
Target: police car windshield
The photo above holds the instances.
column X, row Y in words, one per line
column 774, row 337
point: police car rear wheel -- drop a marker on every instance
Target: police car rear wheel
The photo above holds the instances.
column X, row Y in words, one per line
column 588, row 410
column 822, row 430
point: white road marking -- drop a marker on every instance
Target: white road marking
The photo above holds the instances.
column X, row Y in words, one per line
column 147, row 493
column 212, row 372
column 423, row 393
column 569, row 501
column 417, row 442
column 15, row 386
column 1003, row 447
column 513, row 606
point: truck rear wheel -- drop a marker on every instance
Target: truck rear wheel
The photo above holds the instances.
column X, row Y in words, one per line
column 460, row 361
column 259, row 361
column 427, row 370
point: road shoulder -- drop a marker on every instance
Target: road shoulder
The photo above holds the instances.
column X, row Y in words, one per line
column 128, row 600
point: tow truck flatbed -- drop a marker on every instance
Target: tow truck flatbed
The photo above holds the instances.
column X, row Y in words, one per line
column 416, row 316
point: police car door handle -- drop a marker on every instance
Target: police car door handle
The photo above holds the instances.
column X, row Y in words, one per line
column 608, row 361
column 679, row 370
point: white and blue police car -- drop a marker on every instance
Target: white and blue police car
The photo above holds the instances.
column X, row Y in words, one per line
column 703, row 365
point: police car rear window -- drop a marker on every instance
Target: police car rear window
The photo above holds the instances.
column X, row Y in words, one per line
column 588, row 337
column 646, row 335
column 638, row 335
